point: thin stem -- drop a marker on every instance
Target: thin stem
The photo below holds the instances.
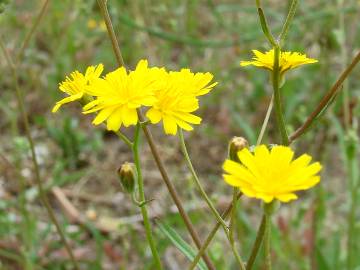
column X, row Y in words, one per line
column 32, row 31
column 326, row 99
column 257, row 244
column 233, row 216
column 111, row 32
column 344, row 60
column 150, row 140
column 39, row 183
column 267, row 242
column 143, row 208
column 266, row 120
column 197, row 181
column 288, row 20
column 124, row 138
column 175, row 196
column 207, row 199
column 277, row 97
column 212, row 234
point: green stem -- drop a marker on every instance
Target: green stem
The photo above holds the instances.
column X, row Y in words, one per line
column 207, row 199
column 143, row 208
column 39, row 183
column 277, row 97
column 266, row 120
column 124, row 138
column 197, row 181
column 288, row 20
column 257, row 244
column 212, row 235
column 233, row 216
column 267, row 242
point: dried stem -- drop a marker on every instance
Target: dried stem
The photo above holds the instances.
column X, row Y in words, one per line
column 326, row 99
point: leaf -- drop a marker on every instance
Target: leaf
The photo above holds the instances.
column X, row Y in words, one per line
column 181, row 244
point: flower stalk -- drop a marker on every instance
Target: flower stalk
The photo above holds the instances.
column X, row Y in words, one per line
column 257, row 244
column 288, row 20
column 197, row 182
column 277, row 97
column 142, row 205
column 208, row 201
column 212, row 234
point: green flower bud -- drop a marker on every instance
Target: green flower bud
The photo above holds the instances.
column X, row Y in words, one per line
column 236, row 144
column 127, row 177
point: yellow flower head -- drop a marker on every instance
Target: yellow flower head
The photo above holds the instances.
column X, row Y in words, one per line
column 269, row 175
column 75, row 85
column 120, row 93
column 287, row 61
column 176, row 100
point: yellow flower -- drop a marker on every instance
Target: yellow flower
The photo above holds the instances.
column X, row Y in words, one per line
column 75, row 85
column 120, row 93
column 176, row 100
column 273, row 174
column 288, row 60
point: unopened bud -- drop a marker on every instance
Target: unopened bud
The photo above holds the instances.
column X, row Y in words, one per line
column 236, row 144
column 127, row 176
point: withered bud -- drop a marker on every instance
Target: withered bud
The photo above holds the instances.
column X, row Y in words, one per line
column 236, row 144
column 127, row 176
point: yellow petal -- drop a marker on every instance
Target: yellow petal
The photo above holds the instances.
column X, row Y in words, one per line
column 154, row 115
column 170, row 126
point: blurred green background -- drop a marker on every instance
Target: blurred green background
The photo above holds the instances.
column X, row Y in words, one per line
column 81, row 160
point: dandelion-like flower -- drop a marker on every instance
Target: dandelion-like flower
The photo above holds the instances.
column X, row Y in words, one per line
column 75, row 85
column 269, row 175
column 120, row 93
column 176, row 100
column 287, row 61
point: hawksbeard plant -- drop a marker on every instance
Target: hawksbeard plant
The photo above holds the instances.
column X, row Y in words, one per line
column 154, row 96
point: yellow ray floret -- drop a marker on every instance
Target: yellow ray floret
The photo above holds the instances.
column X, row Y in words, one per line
column 75, row 85
column 269, row 175
column 287, row 61
column 120, row 93
column 176, row 100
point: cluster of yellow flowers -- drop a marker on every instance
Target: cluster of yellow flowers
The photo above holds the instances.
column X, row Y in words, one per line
column 172, row 96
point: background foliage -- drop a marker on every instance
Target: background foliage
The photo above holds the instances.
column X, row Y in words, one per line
column 81, row 161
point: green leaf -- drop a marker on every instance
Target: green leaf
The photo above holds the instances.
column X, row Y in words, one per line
column 184, row 247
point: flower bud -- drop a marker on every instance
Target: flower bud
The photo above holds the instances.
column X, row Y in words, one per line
column 127, row 177
column 236, row 144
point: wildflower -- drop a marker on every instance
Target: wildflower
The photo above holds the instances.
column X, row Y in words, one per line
column 287, row 61
column 273, row 174
column 120, row 93
column 75, row 85
column 176, row 100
